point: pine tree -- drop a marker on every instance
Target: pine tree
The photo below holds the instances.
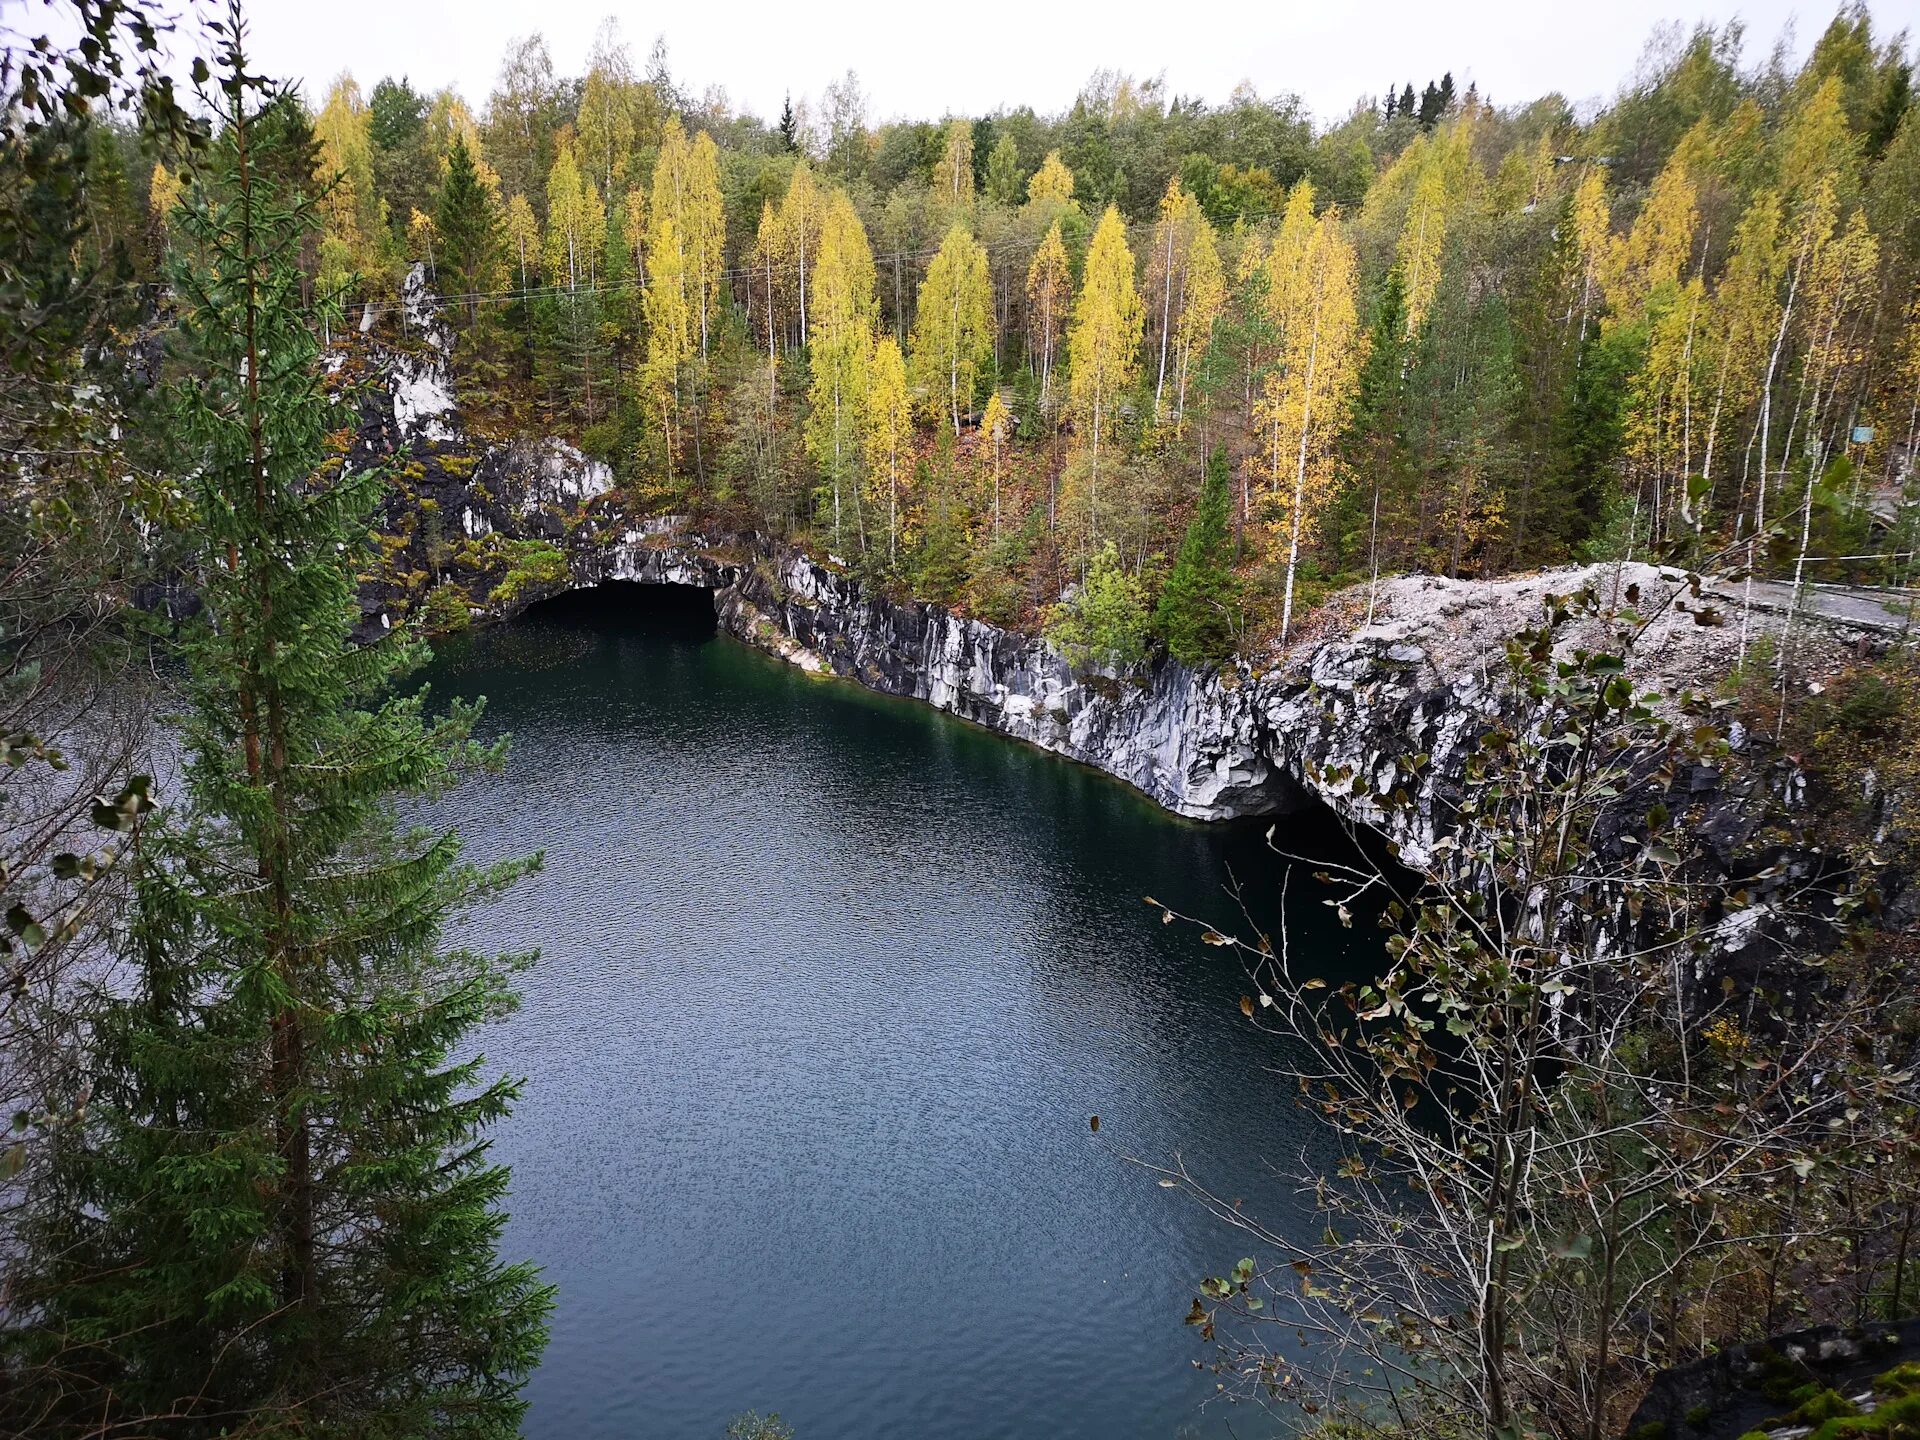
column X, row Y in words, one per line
column 319, row 1253
column 1196, row 616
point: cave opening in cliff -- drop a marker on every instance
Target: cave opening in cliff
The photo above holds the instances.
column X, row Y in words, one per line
column 682, row 611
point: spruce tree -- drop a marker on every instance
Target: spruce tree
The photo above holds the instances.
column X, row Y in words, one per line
column 1432, row 106
column 278, row 1216
column 1373, row 450
column 469, row 230
column 1199, row 603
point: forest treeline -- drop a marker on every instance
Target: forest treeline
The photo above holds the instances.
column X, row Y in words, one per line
column 968, row 356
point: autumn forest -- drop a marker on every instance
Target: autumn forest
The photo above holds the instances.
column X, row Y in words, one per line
column 978, row 359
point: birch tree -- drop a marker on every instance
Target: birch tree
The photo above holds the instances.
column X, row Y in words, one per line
column 799, row 232
column 1168, row 263
column 1104, row 346
column 889, row 427
column 1312, row 303
column 845, row 314
column 671, row 339
column 996, row 424
column 1048, row 297
column 953, row 174
column 952, row 342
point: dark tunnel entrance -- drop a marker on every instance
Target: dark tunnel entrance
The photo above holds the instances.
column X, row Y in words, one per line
column 680, row 611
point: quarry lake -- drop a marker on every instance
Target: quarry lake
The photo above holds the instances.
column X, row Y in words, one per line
column 829, row 986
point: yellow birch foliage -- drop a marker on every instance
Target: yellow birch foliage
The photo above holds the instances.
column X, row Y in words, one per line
column 420, row 233
column 704, row 222
column 1592, row 236
column 523, row 239
column 607, row 122
column 593, row 231
column 952, row 190
column 163, row 192
column 1818, row 148
column 1309, row 392
column 633, row 228
column 844, row 314
column 566, row 252
column 1169, row 261
column 1899, row 417
column 889, row 426
column 1656, row 251
column 350, row 211
column 1286, row 262
column 1839, row 284
column 996, row 427
column 1740, row 321
column 1048, row 295
column 952, row 340
column 766, row 265
column 800, row 236
column 686, row 191
column 1206, row 297
column 1104, row 346
column 1422, row 243
column 1052, row 183
column 671, row 341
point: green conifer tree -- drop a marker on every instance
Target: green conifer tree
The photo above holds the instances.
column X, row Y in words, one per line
column 1198, row 605
column 469, row 230
column 279, row 1217
column 1376, row 497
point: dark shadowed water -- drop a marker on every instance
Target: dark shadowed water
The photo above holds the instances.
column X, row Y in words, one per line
column 830, row 986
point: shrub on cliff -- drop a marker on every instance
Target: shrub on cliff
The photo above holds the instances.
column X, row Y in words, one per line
column 1105, row 623
column 531, row 564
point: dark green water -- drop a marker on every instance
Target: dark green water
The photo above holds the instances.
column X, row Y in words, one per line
column 829, row 987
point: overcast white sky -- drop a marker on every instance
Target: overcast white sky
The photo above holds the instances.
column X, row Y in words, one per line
column 1038, row 52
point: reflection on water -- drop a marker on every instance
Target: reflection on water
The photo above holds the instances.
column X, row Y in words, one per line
column 830, row 985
